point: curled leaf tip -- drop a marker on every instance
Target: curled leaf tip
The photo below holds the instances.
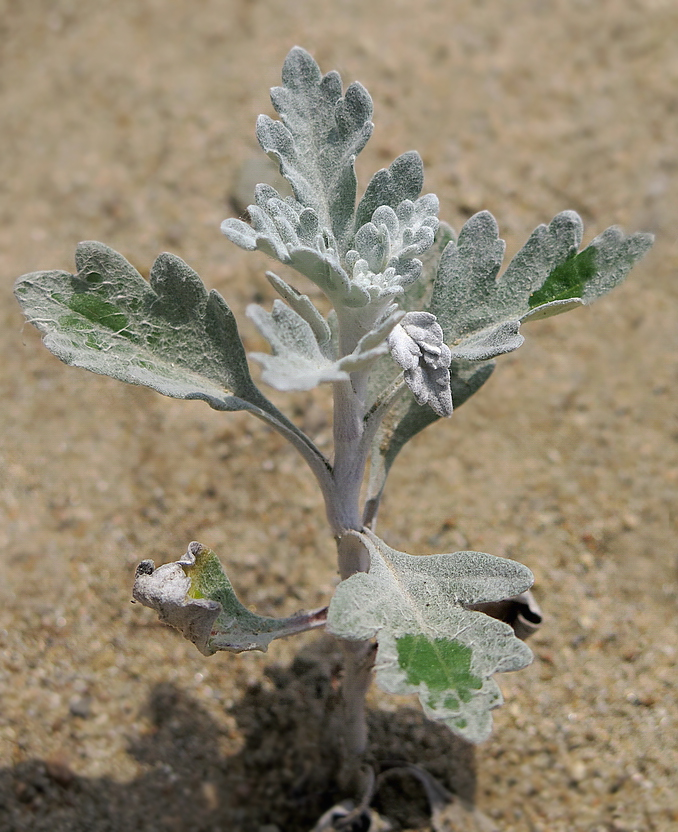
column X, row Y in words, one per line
column 195, row 596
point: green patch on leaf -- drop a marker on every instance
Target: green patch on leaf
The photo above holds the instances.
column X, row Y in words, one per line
column 567, row 280
column 429, row 642
column 98, row 311
column 167, row 333
column 441, row 664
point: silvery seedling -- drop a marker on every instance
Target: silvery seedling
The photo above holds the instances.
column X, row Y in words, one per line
column 418, row 316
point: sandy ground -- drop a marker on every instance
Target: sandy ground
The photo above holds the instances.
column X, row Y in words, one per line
column 127, row 122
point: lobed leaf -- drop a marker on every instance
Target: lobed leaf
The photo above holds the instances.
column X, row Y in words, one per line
column 290, row 232
column 429, row 643
column 195, row 596
column 384, row 258
column 318, row 138
column 297, row 362
column 593, row 272
column 402, row 180
column 547, row 276
column 481, row 312
column 168, row 334
column 305, row 307
column 466, row 277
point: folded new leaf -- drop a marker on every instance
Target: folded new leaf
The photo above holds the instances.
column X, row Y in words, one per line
column 428, row 641
column 306, row 309
column 402, row 180
column 383, row 260
column 417, row 345
column 194, row 595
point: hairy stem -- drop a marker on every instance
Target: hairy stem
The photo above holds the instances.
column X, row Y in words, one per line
column 348, row 473
column 350, row 457
column 358, row 663
column 349, row 470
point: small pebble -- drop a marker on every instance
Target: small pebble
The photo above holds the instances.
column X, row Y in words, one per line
column 80, row 707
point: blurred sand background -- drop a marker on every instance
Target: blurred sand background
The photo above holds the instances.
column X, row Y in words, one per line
column 127, row 122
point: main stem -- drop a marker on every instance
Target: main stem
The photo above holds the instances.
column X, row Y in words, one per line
column 350, row 457
column 349, row 467
column 358, row 663
column 349, row 452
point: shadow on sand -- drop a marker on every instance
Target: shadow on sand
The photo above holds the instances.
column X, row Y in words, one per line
column 283, row 776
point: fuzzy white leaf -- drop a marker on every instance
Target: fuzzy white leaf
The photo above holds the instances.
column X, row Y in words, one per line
column 298, row 362
column 290, row 232
column 416, row 344
column 316, row 142
column 168, row 334
column 428, row 641
column 547, row 276
column 402, row 180
column 305, row 307
column 489, row 343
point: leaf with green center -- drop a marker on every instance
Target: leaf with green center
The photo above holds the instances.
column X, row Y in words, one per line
column 586, row 276
column 195, row 596
column 168, row 334
column 428, row 641
column 440, row 664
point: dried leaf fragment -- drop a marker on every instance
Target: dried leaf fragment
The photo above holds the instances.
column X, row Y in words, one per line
column 194, row 595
